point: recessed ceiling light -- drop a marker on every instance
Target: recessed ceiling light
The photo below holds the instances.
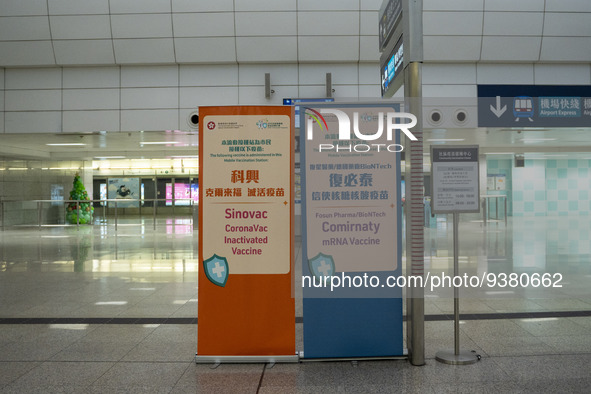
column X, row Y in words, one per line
column 526, row 129
column 446, row 139
column 67, row 144
column 110, row 157
column 537, row 139
column 159, row 143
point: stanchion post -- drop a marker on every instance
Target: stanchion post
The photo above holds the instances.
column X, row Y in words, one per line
column 115, row 216
column 39, row 214
column 457, row 356
column 506, row 213
column 456, row 289
column 497, row 208
column 173, row 181
column 77, row 214
column 154, row 213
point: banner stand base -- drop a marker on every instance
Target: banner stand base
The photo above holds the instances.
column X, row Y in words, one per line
column 311, row 360
column 404, row 356
column 245, row 359
column 463, row 357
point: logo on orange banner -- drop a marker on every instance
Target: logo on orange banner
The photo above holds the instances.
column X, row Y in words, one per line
column 217, row 270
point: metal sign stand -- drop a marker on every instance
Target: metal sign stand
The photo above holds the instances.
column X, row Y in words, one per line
column 455, row 189
column 456, row 356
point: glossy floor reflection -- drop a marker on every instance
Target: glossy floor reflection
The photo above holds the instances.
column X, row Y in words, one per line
column 99, row 309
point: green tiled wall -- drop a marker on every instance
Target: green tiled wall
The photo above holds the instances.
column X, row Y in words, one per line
column 547, row 187
column 568, row 183
column 529, row 189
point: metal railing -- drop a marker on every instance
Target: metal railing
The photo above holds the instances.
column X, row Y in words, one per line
column 485, row 207
column 111, row 204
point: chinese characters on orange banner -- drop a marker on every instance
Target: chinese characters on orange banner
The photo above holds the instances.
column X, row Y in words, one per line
column 245, row 176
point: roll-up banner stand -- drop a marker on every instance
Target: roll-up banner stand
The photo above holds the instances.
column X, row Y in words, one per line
column 351, row 231
column 246, row 306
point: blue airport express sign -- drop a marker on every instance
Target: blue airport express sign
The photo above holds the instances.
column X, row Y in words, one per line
column 391, row 64
column 534, row 106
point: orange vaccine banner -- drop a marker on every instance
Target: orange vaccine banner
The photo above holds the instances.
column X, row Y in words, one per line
column 246, row 303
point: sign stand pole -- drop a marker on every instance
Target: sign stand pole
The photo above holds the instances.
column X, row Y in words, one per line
column 455, row 185
column 456, row 356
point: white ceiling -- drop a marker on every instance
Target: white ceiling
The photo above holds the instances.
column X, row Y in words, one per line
column 124, row 32
column 108, row 32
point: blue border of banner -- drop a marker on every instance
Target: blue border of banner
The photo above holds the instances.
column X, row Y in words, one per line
column 337, row 325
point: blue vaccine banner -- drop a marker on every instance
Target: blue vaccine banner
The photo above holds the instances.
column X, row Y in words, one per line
column 351, row 230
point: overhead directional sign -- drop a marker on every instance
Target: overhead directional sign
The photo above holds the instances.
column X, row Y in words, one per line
column 391, row 46
column 498, row 110
column 391, row 65
column 534, row 106
column 389, row 14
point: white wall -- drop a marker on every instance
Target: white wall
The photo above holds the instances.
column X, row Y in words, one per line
column 209, row 52
column 449, row 87
column 460, row 79
column 131, row 98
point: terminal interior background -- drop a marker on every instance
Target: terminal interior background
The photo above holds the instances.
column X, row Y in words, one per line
column 108, row 89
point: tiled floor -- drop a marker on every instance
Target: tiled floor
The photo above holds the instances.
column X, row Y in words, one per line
column 91, row 310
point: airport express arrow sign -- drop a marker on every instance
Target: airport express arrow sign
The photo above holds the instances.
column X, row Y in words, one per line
column 534, row 106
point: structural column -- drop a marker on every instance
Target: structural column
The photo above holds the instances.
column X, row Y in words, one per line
column 415, row 260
